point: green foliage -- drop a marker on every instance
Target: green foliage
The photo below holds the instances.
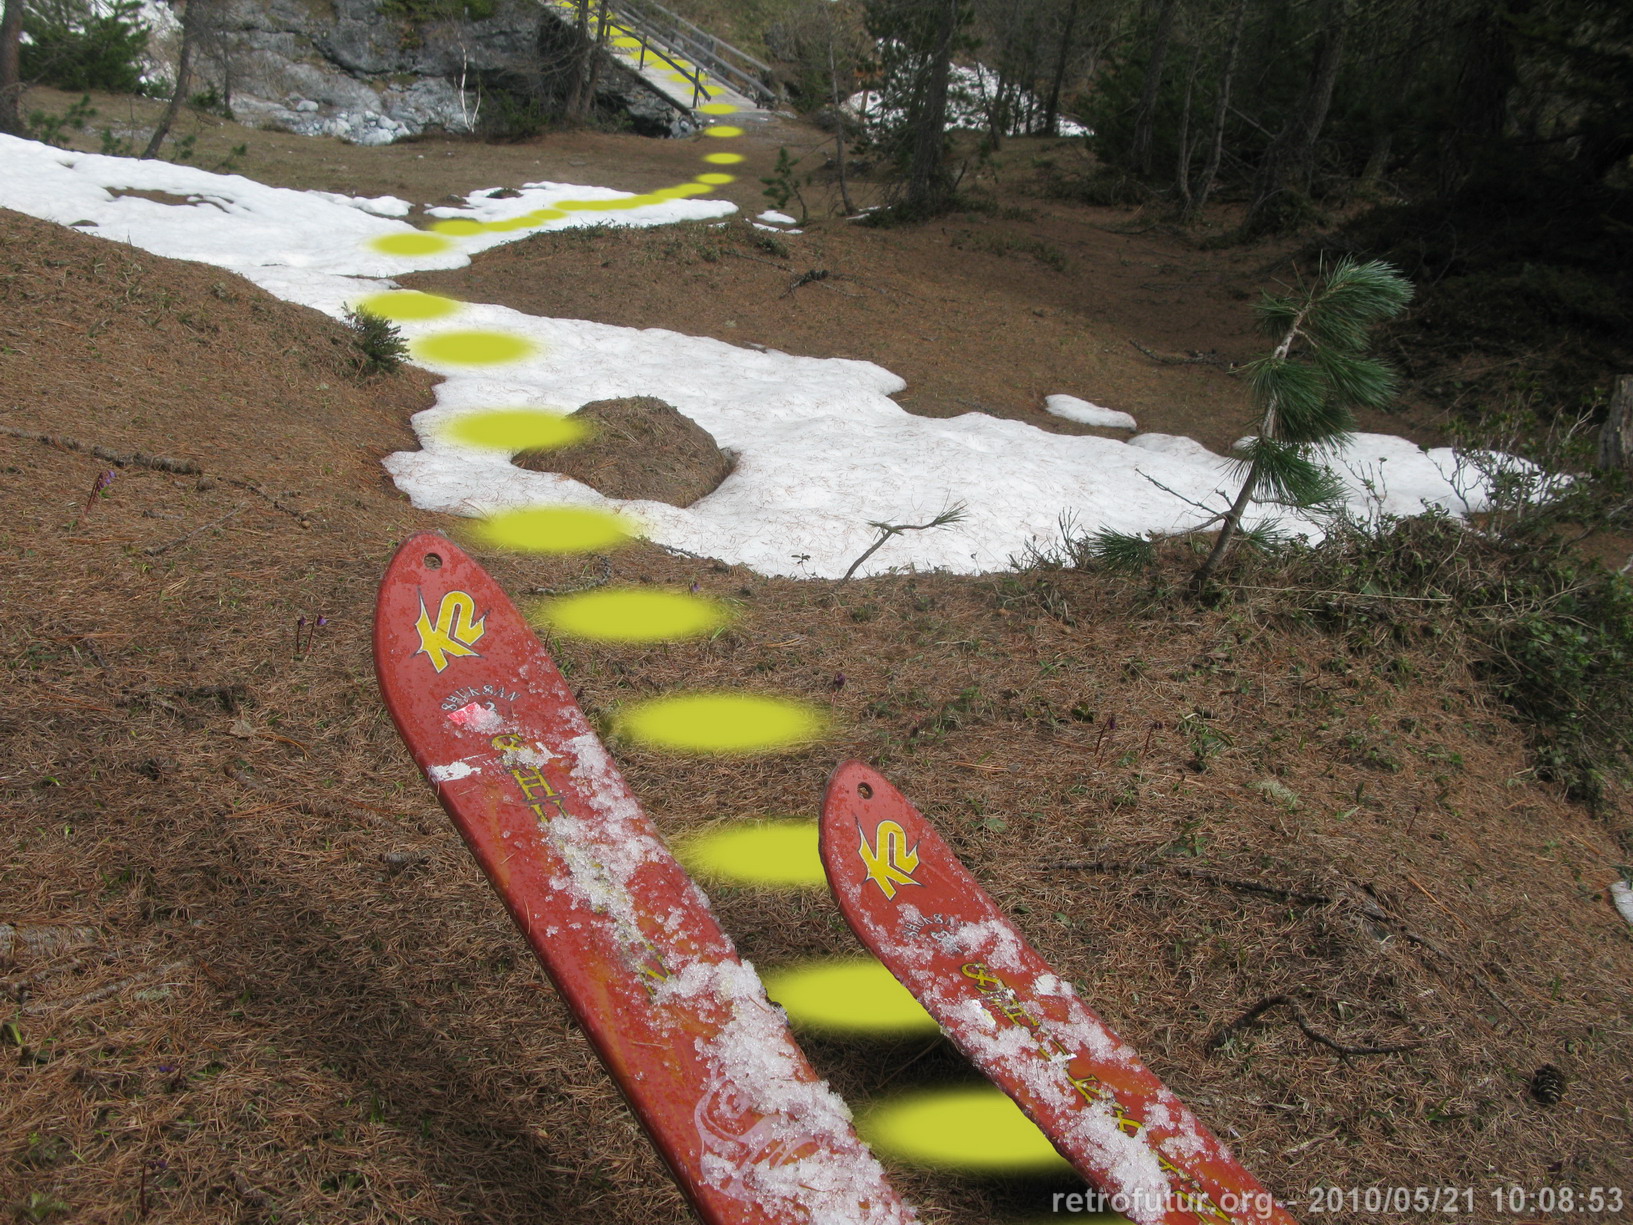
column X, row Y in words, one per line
column 114, row 145
column 1548, row 633
column 41, row 1206
column 1287, row 474
column 780, row 186
column 210, row 101
column 510, row 114
column 76, row 47
column 1306, row 389
column 379, row 344
column 916, row 40
column 1121, row 551
column 55, row 129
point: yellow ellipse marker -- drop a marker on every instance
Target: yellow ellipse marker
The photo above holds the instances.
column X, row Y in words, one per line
column 721, row 723
column 682, row 190
column 644, row 199
column 717, row 180
column 579, row 206
column 472, row 348
column 554, row 529
column 546, row 214
column 723, row 159
column 458, row 227
column 631, row 614
column 977, row 1128
column 718, row 108
column 782, row 854
column 517, row 429
column 512, row 223
column 853, row 996
column 406, row 304
column 626, row 44
column 722, row 130
column 416, row 243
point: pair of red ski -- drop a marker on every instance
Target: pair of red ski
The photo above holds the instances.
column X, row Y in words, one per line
column 684, row 1027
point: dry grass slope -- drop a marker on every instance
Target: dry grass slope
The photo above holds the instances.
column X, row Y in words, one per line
column 279, row 990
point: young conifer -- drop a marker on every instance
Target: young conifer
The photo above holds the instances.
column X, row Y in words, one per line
column 1307, row 389
column 1305, row 392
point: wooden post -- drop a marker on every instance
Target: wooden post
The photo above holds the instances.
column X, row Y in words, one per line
column 1616, row 439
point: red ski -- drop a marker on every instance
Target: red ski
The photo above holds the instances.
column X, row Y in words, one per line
column 683, row 1026
column 918, row 909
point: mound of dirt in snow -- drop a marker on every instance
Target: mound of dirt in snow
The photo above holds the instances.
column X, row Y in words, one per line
column 641, row 448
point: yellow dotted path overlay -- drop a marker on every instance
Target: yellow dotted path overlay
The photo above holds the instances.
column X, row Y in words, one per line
column 968, row 1128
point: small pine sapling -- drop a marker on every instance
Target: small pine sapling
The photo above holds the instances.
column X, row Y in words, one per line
column 781, row 186
column 1305, row 392
column 1306, row 398
column 380, row 346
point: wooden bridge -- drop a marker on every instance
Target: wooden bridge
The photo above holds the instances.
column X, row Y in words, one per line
column 686, row 65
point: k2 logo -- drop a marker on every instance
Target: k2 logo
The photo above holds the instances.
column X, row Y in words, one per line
column 457, row 629
column 890, row 860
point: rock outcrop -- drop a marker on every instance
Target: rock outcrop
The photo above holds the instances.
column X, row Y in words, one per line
column 369, row 72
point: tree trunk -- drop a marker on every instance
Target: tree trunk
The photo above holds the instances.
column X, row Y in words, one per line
column 839, row 118
column 1221, row 110
column 1145, row 116
column 11, row 76
column 926, row 182
column 1383, row 144
column 1182, row 172
column 1290, row 160
column 578, row 93
column 1489, row 72
column 997, row 108
column 1227, row 530
column 192, row 20
column 603, row 19
column 1057, row 82
column 1389, row 112
column 1616, row 439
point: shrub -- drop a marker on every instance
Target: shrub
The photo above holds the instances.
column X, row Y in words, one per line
column 75, row 47
column 380, row 346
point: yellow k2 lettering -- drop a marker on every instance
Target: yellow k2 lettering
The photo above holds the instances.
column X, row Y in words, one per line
column 456, row 630
column 890, row 861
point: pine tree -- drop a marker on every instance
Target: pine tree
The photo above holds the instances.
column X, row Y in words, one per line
column 1306, row 390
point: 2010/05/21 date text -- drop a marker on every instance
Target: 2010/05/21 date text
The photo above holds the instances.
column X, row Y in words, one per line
column 1513, row 1200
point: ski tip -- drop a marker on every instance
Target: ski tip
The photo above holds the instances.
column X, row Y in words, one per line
column 855, row 793
column 852, row 784
column 423, row 551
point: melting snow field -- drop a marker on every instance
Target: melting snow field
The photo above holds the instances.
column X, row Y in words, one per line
column 821, row 447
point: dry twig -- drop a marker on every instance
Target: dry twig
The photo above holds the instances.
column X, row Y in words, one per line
column 1303, row 1021
column 154, row 550
column 162, row 463
column 108, row 989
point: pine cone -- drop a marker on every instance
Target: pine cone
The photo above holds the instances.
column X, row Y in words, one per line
column 1547, row 1084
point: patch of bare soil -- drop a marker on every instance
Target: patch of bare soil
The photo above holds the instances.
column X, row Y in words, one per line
column 262, row 980
column 641, row 448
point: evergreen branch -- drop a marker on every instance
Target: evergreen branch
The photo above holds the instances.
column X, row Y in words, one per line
column 886, row 530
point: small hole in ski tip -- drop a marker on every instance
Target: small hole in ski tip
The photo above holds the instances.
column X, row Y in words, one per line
column 865, row 791
column 433, row 561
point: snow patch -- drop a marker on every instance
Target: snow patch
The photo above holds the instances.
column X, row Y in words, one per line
column 1073, row 409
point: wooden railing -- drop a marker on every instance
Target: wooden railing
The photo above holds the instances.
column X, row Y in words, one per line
column 669, row 37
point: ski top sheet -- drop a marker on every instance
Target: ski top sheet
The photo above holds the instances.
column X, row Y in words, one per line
column 917, row 908
column 707, row 1064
